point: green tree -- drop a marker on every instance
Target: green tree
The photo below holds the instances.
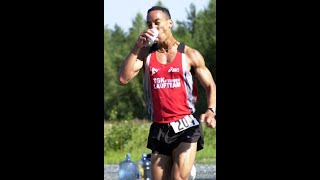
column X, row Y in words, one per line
column 109, row 74
column 159, row 3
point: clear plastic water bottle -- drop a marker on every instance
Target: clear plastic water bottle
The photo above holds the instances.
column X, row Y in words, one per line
column 128, row 170
column 147, row 169
column 140, row 165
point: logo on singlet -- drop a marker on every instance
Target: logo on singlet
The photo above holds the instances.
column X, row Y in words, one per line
column 172, row 69
column 154, row 70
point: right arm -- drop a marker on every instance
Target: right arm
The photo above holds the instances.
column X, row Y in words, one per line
column 130, row 67
column 134, row 61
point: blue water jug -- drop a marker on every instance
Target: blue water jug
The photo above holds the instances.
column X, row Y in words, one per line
column 128, row 169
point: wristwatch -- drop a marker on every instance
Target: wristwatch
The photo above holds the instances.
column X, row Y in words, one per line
column 213, row 110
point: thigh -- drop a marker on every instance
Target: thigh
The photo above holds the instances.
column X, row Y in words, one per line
column 161, row 166
column 183, row 157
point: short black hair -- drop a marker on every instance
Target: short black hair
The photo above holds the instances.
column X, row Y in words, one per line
column 165, row 10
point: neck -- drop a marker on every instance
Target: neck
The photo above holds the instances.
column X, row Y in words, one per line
column 167, row 45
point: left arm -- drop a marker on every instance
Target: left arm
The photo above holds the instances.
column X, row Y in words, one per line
column 206, row 80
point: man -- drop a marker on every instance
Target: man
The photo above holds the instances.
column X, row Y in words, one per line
column 170, row 88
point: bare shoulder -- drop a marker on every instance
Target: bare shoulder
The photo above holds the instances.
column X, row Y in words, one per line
column 194, row 57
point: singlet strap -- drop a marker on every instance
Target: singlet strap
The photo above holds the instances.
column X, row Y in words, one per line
column 153, row 48
column 181, row 47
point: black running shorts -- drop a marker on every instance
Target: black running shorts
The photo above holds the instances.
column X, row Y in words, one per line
column 163, row 140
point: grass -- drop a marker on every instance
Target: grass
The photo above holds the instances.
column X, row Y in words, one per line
column 131, row 136
column 208, row 154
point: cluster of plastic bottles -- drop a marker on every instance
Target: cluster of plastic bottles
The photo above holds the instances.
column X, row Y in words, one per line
column 141, row 170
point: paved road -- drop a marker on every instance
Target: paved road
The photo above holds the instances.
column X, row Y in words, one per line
column 204, row 172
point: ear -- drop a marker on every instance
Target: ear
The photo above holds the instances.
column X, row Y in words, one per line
column 170, row 23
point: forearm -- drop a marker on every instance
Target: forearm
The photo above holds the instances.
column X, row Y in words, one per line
column 209, row 116
column 211, row 95
column 127, row 67
column 209, row 85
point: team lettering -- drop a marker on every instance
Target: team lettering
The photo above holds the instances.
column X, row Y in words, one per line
column 160, row 83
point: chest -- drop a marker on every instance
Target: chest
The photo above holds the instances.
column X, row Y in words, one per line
column 165, row 58
column 166, row 66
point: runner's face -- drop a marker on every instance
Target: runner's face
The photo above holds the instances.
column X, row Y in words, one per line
column 158, row 19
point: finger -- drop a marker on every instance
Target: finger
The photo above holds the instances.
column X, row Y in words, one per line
column 144, row 34
column 202, row 117
column 148, row 36
column 142, row 38
column 150, row 32
column 209, row 125
column 207, row 120
column 213, row 124
column 147, row 33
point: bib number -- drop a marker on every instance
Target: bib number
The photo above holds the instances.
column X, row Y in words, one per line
column 184, row 123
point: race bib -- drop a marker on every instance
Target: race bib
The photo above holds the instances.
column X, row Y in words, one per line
column 184, row 123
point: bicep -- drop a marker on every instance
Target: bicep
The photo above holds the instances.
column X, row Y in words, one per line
column 204, row 76
column 201, row 71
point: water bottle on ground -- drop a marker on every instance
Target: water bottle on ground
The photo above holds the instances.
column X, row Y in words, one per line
column 140, row 165
column 147, row 169
column 128, row 170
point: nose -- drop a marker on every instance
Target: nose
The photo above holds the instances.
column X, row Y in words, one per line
column 153, row 25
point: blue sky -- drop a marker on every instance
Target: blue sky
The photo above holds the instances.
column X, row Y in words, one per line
column 122, row 12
